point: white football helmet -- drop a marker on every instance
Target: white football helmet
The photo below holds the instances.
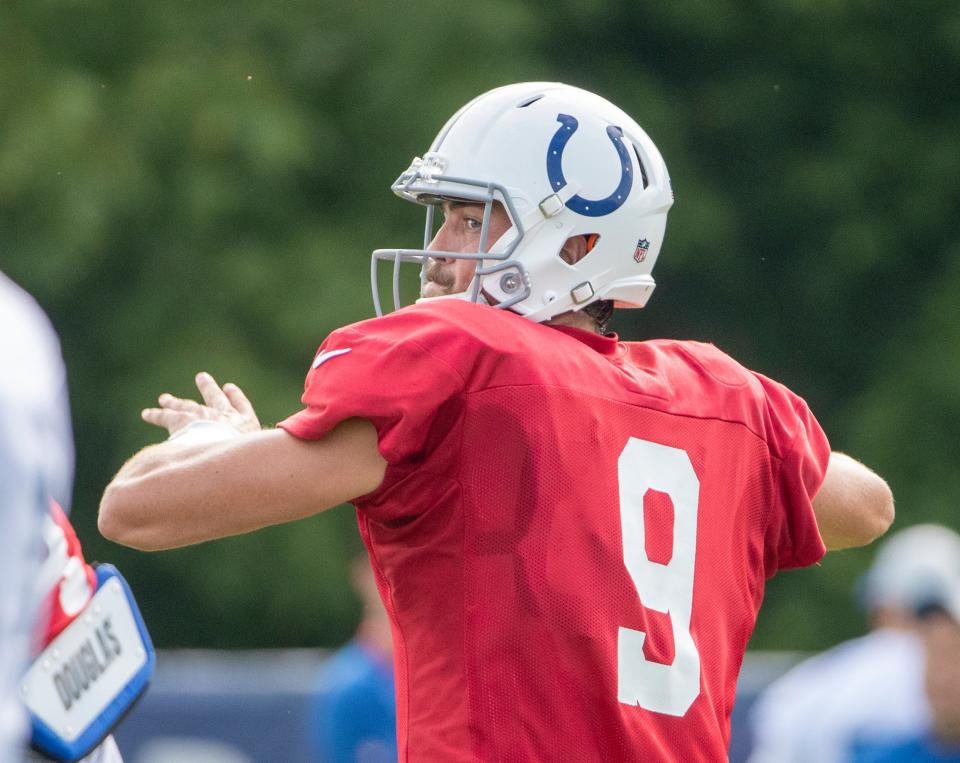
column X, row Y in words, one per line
column 563, row 162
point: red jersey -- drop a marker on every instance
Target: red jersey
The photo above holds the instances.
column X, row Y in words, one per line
column 573, row 533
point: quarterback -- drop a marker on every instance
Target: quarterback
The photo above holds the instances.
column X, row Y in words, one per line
column 571, row 533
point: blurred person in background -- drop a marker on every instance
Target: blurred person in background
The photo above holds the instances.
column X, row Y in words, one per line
column 36, row 463
column 939, row 740
column 571, row 533
column 45, row 582
column 941, row 632
column 354, row 715
column 869, row 690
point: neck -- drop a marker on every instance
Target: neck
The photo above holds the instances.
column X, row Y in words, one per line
column 574, row 319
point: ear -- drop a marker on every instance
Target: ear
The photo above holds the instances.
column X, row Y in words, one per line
column 574, row 250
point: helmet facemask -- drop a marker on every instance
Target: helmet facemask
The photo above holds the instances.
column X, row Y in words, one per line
column 424, row 183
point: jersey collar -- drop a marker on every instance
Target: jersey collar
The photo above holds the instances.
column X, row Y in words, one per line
column 604, row 344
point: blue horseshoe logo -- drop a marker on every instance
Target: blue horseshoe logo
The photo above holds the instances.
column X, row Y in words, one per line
column 580, row 205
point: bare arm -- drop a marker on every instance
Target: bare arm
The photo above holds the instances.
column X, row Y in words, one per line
column 854, row 506
column 174, row 494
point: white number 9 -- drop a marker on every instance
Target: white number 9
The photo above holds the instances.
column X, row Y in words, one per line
column 667, row 588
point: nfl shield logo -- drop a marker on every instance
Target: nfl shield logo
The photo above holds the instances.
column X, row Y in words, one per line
column 641, row 253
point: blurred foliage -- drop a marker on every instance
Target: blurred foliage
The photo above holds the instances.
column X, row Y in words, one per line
column 193, row 186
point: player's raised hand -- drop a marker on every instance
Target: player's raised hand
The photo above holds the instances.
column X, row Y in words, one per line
column 227, row 405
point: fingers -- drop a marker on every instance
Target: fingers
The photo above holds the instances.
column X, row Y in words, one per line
column 182, row 404
column 165, row 417
column 238, row 400
column 228, row 404
column 174, row 412
column 212, row 394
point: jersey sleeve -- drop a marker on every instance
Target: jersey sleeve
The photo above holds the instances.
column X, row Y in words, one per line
column 380, row 371
column 801, row 452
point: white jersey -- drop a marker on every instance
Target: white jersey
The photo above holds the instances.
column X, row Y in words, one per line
column 866, row 689
column 36, row 464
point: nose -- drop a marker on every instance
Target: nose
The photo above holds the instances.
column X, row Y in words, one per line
column 442, row 243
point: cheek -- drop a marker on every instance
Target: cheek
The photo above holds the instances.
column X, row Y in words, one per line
column 463, row 273
column 498, row 228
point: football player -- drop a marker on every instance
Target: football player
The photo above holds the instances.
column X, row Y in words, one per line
column 571, row 533
column 36, row 461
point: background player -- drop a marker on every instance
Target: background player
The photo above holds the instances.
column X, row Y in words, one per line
column 353, row 718
column 870, row 690
column 571, row 534
column 37, row 541
column 36, row 462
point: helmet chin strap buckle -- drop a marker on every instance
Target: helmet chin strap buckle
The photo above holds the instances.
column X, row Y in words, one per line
column 582, row 292
column 555, row 203
column 551, row 206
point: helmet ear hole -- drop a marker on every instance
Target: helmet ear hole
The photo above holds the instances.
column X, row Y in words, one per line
column 577, row 248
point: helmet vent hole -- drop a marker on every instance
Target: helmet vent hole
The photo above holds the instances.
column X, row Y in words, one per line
column 532, row 99
column 643, row 170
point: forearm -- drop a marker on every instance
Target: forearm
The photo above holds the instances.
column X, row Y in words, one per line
column 157, row 497
column 221, row 475
column 170, row 495
column 153, row 458
column 152, row 501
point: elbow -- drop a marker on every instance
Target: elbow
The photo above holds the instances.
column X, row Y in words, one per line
column 854, row 506
column 876, row 513
column 107, row 522
column 884, row 512
column 117, row 520
column 854, row 509
column 111, row 521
